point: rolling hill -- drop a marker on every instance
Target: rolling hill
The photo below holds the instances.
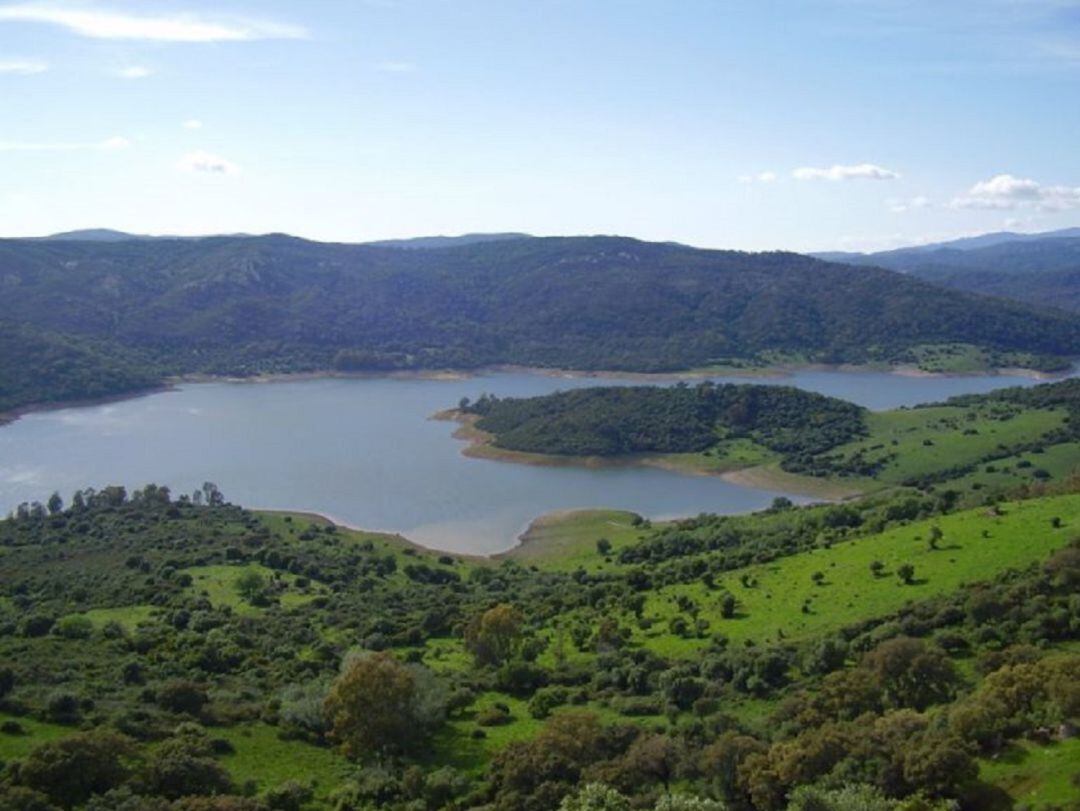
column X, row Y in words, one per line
column 245, row 305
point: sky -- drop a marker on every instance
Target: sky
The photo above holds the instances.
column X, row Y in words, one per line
column 757, row 125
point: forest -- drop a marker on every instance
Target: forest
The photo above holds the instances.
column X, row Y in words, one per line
column 609, row 421
column 81, row 319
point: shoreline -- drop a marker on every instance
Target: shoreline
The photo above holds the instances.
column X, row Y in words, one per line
column 171, row 382
column 479, row 445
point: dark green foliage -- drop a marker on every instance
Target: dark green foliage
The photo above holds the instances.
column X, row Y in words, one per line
column 130, row 312
column 71, row 770
column 678, row 419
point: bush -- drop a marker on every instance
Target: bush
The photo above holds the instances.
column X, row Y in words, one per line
column 493, row 717
column 70, row 770
column 182, row 697
column 75, row 626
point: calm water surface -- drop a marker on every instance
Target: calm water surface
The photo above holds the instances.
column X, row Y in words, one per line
column 365, row 452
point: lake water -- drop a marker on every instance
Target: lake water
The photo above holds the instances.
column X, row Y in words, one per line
column 365, row 452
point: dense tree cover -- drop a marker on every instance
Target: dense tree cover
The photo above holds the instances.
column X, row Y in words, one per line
column 41, row 367
column 1043, row 271
column 679, row 419
column 342, row 652
column 246, row 305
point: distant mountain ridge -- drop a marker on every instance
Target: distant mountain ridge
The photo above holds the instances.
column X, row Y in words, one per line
column 435, row 242
column 1041, row 269
column 143, row 309
column 412, row 243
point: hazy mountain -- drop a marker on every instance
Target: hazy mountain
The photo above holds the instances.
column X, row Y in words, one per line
column 93, row 235
column 1041, row 269
column 424, row 243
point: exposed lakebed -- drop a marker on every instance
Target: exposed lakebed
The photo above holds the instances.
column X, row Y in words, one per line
column 365, row 452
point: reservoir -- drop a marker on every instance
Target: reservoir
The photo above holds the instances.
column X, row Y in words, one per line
column 365, row 452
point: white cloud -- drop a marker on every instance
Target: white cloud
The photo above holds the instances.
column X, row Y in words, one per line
column 396, row 67
column 133, row 72
column 899, row 206
column 760, row 177
column 859, row 171
column 1010, row 192
column 23, row 67
column 103, row 24
column 108, row 145
column 204, row 162
column 192, row 124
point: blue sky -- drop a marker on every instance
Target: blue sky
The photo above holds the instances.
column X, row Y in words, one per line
column 805, row 124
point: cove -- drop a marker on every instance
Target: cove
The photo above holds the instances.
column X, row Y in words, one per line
column 365, row 452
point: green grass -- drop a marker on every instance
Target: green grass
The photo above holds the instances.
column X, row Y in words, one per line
column 1019, row 537
column 1058, row 460
column 262, row 757
column 726, row 455
column 219, row 585
column 37, row 733
column 951, row 358
column 129, row 617
column 1037, row 776
column 927, row 440
column 289, row 526
column 567, row 540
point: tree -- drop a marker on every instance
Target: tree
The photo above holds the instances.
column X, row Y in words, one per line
column 935, row 536
column 7, row 681
column 251, row 585
column 495, row 635
column 910, row 673
column 876, row 568
column 70, row 770
column 55, row 504
column 939, row 765
column 906, row 573
column 183, row 766
column 728, row 604
column 595, row 797
column 687, row 802
column 854, row 797
column 652, row 757
column 182, row 696
column 379, row 704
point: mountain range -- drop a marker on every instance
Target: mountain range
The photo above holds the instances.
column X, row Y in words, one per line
column 1042, row 269
column 133, row 311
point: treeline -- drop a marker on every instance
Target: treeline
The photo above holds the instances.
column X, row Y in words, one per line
column 610, row 421
column 245, row 305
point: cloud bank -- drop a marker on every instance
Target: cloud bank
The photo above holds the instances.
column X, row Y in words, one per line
column 103, row 24
column 858, row 171
column 1003, row 192
column 23, row 67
